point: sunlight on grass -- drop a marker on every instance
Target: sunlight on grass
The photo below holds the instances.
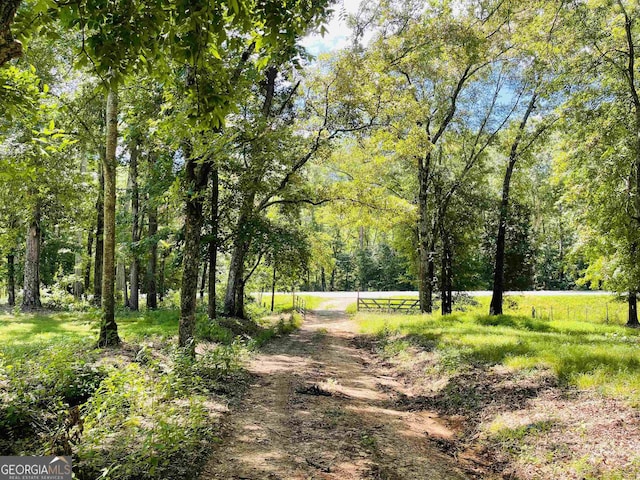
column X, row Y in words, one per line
column 284, row 301
column 26, row 328
column 584, row 354
column 26, row 331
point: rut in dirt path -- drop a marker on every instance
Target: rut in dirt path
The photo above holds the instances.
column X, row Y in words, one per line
column 318, row 410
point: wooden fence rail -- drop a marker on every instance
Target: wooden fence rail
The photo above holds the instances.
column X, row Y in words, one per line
column 398, row 305
column 300, row 306
column 609, row 312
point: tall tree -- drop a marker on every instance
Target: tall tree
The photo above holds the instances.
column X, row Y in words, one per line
column 108, row 328
column 603, row 128
column 213, row 243
column 99, row 256
column 135, row 224
column 196, row 177
column 31, row 292
column 495, row 307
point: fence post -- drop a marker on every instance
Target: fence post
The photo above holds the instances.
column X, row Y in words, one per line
column 533, row 312
column 358, row 301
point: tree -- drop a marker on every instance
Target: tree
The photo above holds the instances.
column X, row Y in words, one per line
column 108, row 335
column 266, row 183
column 431, row 57
column 605, row 147
column 9, row 47
column 495, row 307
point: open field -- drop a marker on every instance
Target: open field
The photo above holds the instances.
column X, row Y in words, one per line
column 541, row 398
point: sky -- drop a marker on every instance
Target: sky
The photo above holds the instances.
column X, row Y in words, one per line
column 338, row 32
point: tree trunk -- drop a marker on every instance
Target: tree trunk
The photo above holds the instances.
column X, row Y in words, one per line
column 213, row 245
column 87, row 265
column 273, row 288
column 632, row 321
column 196, row 176
column 498, row 271
column 152, row 263
column 99, row 257
column 134, row 275
column 450, row 279
column 161, row 282
column 234, row 295
column 425, row 255
column 11, row 280
column 233, row 300
column 428, row 295
column 31, row 298
column 9, row 47
column 78, row 274
column 108, row 327
column 323, row 279
column 122, row 293
column 203, row 279
column 446, row 303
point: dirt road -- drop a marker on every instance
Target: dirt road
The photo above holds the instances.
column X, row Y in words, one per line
column 319, row 409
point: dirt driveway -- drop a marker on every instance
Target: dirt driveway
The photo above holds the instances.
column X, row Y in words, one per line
column 318, row 409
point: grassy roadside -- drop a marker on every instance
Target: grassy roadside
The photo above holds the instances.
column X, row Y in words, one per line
column 543, row 398
column 140, row 411
column 284, row 301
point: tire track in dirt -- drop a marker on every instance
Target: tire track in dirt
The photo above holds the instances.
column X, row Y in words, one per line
column 318, row 409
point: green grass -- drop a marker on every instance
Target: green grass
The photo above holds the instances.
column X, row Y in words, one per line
column 147, row 400
column 33, row 328
column 585, row 354
column 586, row 308
column 284, row 301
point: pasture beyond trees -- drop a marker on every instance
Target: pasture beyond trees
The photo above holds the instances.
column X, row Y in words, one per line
column 166, row 167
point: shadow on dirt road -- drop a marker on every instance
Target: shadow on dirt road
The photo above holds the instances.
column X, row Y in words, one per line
column 318, row 409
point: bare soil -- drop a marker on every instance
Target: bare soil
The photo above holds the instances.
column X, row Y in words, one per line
column 321, row 408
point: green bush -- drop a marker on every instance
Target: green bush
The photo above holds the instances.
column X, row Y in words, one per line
column 136, row 426
column 212, row 331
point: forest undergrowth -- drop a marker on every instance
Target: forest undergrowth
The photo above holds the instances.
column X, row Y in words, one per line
column 144, row 410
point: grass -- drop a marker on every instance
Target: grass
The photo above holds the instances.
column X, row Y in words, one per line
column 588, row 308
column 547, row 397
column 140, row 411
column 590, row 354
column 284, row 301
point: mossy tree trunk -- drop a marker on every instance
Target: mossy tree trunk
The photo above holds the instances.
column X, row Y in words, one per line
column 11, row 280
column 9, row 47
column 108, row 327
column 31, row 296
column 196, row 177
